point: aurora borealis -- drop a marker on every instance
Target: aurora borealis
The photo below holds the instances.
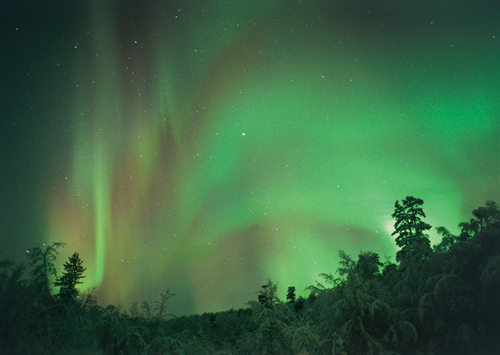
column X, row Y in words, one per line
column 205, row 146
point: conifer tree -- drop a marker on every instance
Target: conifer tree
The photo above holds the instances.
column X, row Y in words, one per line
column 271, row 316
column 290, row 295
column 410, row 229
column 73, row 273
column 368, row 265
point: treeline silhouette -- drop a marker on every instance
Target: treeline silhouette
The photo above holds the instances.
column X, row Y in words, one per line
column 443, row 299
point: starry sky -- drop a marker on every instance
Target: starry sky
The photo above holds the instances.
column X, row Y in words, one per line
column 204, row 146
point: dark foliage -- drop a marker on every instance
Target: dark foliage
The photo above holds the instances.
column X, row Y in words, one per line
column 409, row 229
column 42, row 262
column 290, row 295
column 440, row 300
column 73, row 273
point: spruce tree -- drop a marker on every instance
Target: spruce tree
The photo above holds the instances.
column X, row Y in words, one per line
column 73, row 273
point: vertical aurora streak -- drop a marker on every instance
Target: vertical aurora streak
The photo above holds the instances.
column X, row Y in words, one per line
column 210, row 145
column 102, row 216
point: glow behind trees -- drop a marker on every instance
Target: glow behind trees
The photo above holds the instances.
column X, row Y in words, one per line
column 208, row 147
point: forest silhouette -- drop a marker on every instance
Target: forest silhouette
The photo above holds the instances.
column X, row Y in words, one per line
column 441, row 299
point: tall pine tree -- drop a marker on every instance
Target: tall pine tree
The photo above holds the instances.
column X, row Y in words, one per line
column 410, row 229
column 73, row 273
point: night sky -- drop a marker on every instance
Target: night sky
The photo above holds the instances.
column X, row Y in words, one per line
column 205, row 146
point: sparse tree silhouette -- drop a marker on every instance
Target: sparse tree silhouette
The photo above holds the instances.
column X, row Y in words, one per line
column 73, row 273
column 161, row 305
column 42, row 262
column 87, row 299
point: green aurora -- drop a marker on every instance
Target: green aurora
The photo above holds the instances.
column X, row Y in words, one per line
column 207, row 145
